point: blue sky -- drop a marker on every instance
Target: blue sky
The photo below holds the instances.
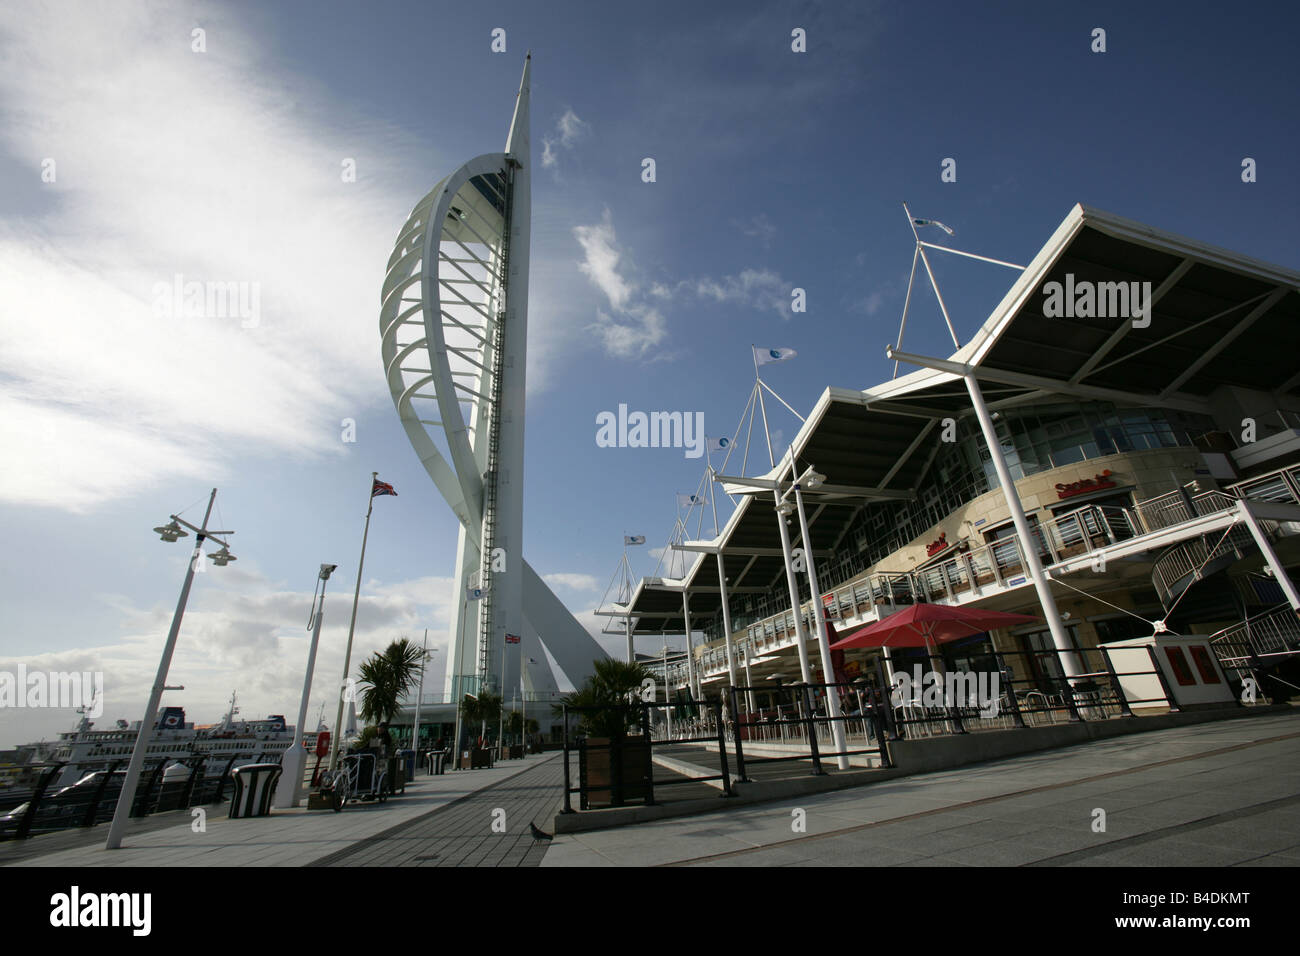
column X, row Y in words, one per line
column 775, row 170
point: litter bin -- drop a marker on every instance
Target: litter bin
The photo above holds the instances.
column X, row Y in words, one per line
column 254, row 785
column 408, row 761
column 435, row 760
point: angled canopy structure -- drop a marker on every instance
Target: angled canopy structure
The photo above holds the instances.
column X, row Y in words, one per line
column 1214, row 341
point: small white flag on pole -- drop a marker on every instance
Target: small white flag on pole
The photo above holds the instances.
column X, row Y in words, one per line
column 689, row 501
column 764, row 356
column 633, row 539
column 719, row 444
column 932, row 222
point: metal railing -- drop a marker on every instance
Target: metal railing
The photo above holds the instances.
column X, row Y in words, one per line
column 596, row 760
column 961, row 576
column 803, row 720
column 1283, row 484
column 1275, row 631
column 965, row 573
column 1178, row 565
column 1044, row 695
column 93, row 798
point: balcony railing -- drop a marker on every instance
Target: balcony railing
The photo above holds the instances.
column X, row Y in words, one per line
column 998, row 564
column 1275, row 631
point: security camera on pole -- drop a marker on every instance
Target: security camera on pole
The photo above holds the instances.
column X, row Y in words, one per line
column 288, row 792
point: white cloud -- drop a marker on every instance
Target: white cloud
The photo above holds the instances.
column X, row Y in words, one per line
column 210, row 166
column 633, row 328
column 572, row 582
column 600, row 261
column 756, row 288
column 758, row 227
column 870, row 303
column 569, row 129
column 241, row 632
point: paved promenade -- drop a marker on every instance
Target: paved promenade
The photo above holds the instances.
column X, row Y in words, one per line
column 1216, row 794
column 286, row 838
column 489, row 828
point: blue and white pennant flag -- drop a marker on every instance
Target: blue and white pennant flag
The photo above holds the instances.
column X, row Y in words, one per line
column 932, row 222
column 764, row 356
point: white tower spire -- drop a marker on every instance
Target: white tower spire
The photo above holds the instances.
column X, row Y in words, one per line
column 454, row 338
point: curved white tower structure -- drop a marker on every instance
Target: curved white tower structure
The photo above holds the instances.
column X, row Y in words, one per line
column 454, row 330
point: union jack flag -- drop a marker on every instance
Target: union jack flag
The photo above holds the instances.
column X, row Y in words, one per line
column 512, row 638
column 381, row 488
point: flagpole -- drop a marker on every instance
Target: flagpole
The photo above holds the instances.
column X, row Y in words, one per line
column 457, row 691
column 627, row 618
column 352, row 626
column 419, row 693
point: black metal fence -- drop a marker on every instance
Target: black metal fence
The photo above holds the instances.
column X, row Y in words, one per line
column 941, row 700
column 802, row 714
column 799, row 722
column 618, row 762
column 92, row 798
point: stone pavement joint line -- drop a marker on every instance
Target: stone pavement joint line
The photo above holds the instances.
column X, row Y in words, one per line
column 461, row 833
column 1166, row 832
column 1006, row 796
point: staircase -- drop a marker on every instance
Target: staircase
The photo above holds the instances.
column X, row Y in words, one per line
column 1181, row 565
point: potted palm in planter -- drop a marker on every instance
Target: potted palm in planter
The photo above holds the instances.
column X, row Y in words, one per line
column 478, row 709
column 614, row 755
column 386, row 678
column 517, row 728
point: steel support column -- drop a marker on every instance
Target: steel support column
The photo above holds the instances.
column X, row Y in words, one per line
column 801, row 636
column 1028, row 547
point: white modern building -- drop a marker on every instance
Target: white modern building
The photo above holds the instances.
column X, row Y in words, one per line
column 1116, row 475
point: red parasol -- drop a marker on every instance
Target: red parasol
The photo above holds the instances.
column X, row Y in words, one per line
column 923, row 624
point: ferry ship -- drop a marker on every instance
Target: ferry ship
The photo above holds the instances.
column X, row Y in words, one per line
column 229, row 743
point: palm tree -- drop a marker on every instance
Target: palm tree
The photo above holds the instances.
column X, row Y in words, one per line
column 621, row 680
column 386, row 678
column 613, row 690
column 486, row 706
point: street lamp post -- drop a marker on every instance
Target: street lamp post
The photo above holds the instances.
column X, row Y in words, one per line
column 289, row 790
column 170, row 532
column 425, row 654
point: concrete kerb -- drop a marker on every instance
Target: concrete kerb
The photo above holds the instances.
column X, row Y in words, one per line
column 911, row 757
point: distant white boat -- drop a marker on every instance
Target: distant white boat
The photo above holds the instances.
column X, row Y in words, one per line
column 230, row 743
